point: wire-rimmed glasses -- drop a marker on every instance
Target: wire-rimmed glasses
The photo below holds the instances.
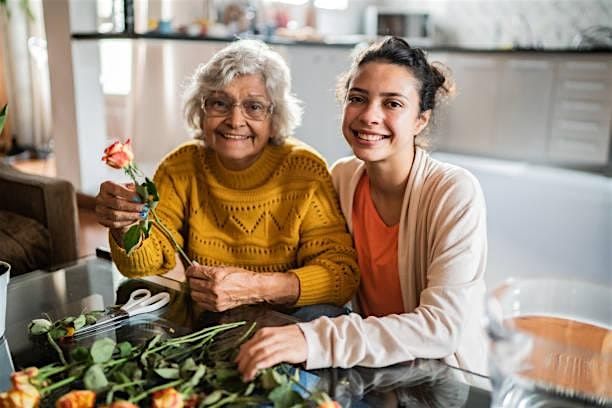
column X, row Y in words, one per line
column 219, row 106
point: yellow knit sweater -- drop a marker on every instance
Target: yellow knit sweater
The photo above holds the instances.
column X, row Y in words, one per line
column 279, row 215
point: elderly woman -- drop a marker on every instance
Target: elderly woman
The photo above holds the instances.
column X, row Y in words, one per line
column 254, row 209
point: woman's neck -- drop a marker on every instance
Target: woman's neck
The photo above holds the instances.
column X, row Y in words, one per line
column 388, row 180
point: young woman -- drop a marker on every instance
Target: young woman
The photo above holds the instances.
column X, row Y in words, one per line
column 419, row 227
column 254, row 208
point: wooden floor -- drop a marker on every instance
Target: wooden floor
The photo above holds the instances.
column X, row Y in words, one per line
column 91, row 234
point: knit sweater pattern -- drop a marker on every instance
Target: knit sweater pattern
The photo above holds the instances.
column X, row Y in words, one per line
column 281, row 214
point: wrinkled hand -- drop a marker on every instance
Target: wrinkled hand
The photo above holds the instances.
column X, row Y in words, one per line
column 118, row 206
column 219, row 288
column 271, row 346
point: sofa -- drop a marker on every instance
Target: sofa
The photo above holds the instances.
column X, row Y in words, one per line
column 38, row 221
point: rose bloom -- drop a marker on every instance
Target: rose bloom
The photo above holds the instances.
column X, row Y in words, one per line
column 329, row 404
column 168, row 398
column 122, row 404
column 22, row 394
column 119, row 155
column 26, row 396
column 192, row 402
column 77, row 399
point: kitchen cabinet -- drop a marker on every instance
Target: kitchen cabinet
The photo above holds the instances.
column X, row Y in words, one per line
column 523, row 108
column 468, row 123
column 581, row 112
column 542, row 108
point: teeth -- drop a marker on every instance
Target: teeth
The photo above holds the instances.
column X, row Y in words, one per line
column 370, row 138
column 234, row 137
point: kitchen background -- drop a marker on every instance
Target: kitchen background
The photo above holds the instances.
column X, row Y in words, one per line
column 531, row 118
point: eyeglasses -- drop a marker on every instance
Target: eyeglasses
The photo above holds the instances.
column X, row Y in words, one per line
column 253, row 109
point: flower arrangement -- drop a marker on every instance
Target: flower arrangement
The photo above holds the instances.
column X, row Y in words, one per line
column 195, row 370
column 120, row 156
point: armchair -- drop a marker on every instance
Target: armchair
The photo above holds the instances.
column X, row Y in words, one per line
column 38, row 221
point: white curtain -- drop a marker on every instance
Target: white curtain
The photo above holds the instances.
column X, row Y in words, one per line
column 24, row 53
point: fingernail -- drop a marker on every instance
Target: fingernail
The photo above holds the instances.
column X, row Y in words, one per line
column 143, row 214
column 136, row 199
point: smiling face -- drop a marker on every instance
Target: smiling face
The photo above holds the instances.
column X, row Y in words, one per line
column 238, row 140
column 381, row 113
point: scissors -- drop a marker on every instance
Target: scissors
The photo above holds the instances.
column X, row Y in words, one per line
column 140, row 301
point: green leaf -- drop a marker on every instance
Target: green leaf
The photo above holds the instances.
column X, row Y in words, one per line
column 296, row 376
column 212, row 398
column 189, row 365
column 168, row 373
column 79, row 322
column 67, row 321
column 57, row 332
column 3, row 114
column 131, row 238
column 80, row 354
column 77, row 371
column 154, row 199
column 125, row 348
column 102, row 350
column 39, row 326
column 145, row 227
column 250, row 389
column 143, row 192
column 279, row 378
column 283, row 396
column 94, row 378
column 197, row 376
column 267, row 379
column 153, row 342
column 223, row 374
column 132, row 370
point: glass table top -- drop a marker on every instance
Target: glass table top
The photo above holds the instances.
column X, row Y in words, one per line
column 95, row 283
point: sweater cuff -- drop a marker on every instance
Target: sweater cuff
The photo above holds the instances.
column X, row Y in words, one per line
column 319, row 353
column 143, row 259
column 316, row 285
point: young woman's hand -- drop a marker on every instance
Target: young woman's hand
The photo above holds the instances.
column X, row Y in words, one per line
column 117, row 207
column 271, row 346
column 219, row 288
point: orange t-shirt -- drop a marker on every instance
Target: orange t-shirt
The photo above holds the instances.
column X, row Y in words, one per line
column 376, row 244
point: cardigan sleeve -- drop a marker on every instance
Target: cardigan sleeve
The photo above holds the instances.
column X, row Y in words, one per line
column 455, row 250
column 329, row 272
column 156, row 254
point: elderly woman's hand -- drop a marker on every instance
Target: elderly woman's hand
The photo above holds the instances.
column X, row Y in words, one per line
column 222, row 287
column 271, row 346
column 219, row 288
column 117, row 207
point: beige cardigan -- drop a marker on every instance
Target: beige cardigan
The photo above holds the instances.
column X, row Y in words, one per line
column 442, row 258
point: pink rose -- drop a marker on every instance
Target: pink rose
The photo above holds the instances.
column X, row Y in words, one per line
column 119, row 155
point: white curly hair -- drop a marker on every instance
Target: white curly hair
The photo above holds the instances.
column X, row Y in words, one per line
column 245, row 57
